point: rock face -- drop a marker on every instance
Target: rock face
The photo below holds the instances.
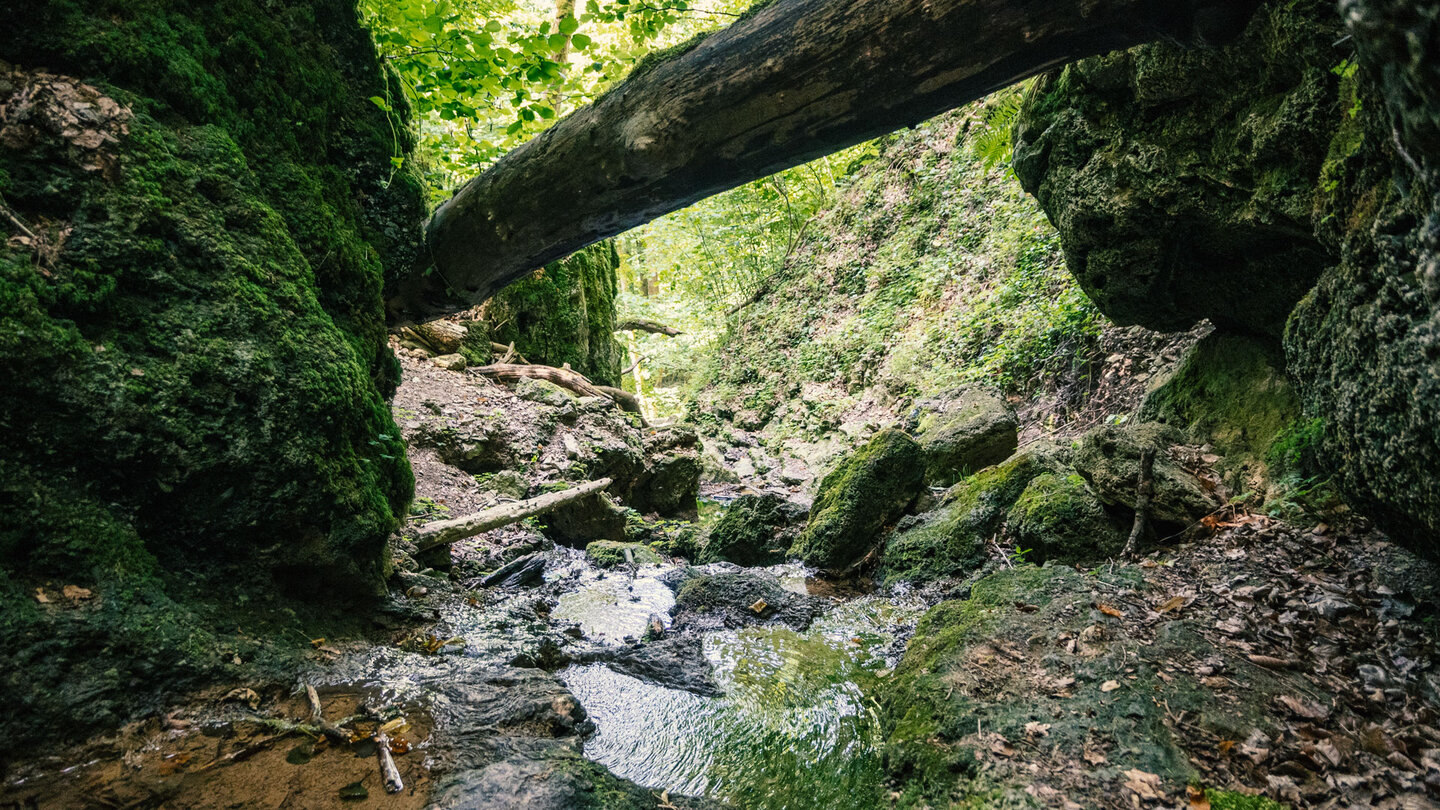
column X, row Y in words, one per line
column 963, row 431
column 1364, row 346
column 563, row 313
column 194, row 349
column 1181, row 181
column 755, row 530
column 1057, row 517
column 1226, row 184
column 865, row 492
column 670, row 482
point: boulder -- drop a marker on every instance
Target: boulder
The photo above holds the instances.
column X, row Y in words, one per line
column 1108, row 458
column 475, row 446
column 740, row 599
column 963, row 431
column 522, row 571
column 609, row 553
column 670, row 481
column 1057, row 517
column 541, row 391
column 952, row 539
column 450, row 362
column 755, row 530
column 867, row 491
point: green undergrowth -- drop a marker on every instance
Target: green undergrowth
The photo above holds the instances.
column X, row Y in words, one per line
column 930, row 271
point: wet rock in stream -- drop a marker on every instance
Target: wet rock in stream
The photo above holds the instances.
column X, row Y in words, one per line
column 527, row 570
column 677, row 662
column 739, row 599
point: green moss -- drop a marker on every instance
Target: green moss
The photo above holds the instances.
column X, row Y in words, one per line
column 196, row 376
column 855, row 501
column 563, row 313
column 953, row 540
column 609, row 553
column 1227, row 800
column 1057, row 517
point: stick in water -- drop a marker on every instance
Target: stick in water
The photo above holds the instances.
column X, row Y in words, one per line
column 388, row 771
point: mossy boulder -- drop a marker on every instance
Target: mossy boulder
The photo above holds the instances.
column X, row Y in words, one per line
column 1057, row 517
column 755, row 530
column 1108, row 458
column 609, row 553
column 670, row 482
column 193, row 342
column 952, row 539
column 562, row 313
column 1182, row 181
column 963, row 431
column 1230, row 392
column 867, row 491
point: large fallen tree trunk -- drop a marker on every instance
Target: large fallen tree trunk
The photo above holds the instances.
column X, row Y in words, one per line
column 572, row 381
column 445, row 532
column 798, row 79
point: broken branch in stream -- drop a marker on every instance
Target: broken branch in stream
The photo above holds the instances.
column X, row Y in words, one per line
column 445, row 532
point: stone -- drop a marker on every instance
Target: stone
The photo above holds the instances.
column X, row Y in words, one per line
column 963, row 431
column 522, row 571
column 866, row 491
column 670, row 482
column 541, row 391
column 1108, row 458
column 609, row 554
column 450, row 362
column 951, row 541
column 1057, row 517
column 755, row 530
column 715, row 601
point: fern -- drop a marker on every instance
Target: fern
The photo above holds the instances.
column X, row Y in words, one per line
column 992, row 141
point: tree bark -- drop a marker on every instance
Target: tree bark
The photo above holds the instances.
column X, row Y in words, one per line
column 572, row 381
column 797, row 80
column 642, row 325
column 445, row 532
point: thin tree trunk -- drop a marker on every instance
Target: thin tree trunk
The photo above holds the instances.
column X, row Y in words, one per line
column 797, row 80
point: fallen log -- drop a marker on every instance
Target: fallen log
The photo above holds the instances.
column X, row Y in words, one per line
column 796, row 80
column 572, row 381
column 626, row 400
column 642, row 325
column 444, row 532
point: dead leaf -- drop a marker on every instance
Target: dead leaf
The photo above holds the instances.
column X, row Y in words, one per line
column 244, row 695
column 1197, row 797
column 1269, row 662
column 1112, row 612
column 42, row 597
column 317, row 643
column 1170, row 604
column 1109, row 686
column 1001, row 748
column 1143, row 784
column 1214, row 682
column 76, row 592
column 1303, row 708
column 759, row 606
column 1037, row 729
column 1094, row 757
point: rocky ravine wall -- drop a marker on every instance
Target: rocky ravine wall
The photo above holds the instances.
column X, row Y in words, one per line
column 1284, row 187
column 201, row 209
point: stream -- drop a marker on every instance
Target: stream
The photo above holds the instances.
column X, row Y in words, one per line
column 796, row 725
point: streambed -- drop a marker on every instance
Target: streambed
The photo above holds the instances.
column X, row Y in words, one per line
column 796, row 725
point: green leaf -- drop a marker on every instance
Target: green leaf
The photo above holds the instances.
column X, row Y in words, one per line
column 569, row 25
column 556, row 41
column 354, row 791
column 580, row 41
column 381, row 103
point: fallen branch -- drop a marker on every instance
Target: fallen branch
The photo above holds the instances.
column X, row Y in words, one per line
column 642, row 325
column 626, row 400
column 445, row 532
column 1142, row 501
column 388, row 772
column 506, row 352
column 632, row 366
column 571, row 381
column 317, row 718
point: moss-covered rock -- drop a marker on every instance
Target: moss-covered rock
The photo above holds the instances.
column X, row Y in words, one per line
column 563, row 313
column 951, row 540
column 1230, row 392
column 193, row 341
column 1059, row 518
column 1108, row 458
column 609, row 553
column 1182, row 181
column 865, row 492
column 670, row 482
column 755, row 530
column 963, row 431
column 1364, row 347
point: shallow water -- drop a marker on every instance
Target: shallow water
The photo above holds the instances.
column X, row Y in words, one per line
column 796, row 727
